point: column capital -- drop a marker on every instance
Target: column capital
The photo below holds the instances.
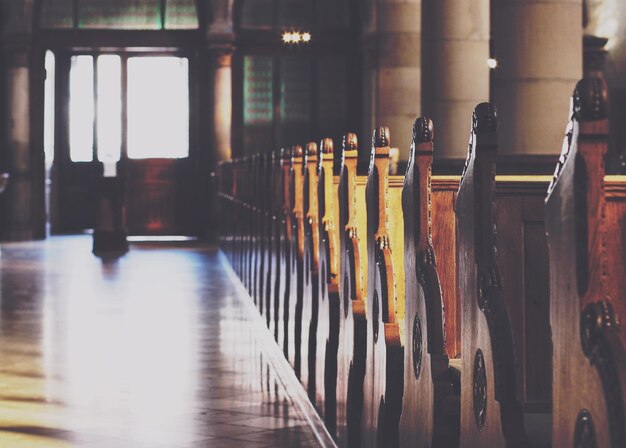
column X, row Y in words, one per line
column 221, row 55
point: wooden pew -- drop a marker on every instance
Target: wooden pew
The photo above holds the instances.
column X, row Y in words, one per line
column 224, row 185
column 587, row 269
column 273, row 271
column 385, row 301
column 328, row 311
column 239, row 227
column 491, row 414
column 277, row 232
column 245, row 222
column 522, row 268
column 262, row 233
column 284, row 251
column 310, row 297
column 251, row 216
column 352, row 347
column 430, row 406
column 294, row 314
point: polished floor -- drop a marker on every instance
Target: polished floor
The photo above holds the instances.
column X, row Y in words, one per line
column 156, row 349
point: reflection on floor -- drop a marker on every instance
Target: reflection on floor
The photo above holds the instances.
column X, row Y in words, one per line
column 152, row 350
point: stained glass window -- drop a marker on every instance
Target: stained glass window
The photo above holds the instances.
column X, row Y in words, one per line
column 258, row 111
column 295, row 98
column 258, row 89
column 119, row 14
column 181, row 15
column 295, row 86
column 57, row 14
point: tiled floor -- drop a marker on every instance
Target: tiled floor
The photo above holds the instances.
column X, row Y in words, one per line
column 153, row 350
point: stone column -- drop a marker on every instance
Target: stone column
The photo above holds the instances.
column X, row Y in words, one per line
column 221, row 103
column 456, row 75
column 538, row 46
column 24, row 214
column 393, row 83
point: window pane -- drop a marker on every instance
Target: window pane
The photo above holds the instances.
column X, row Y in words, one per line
column 48, row 118
column 119, row 14
column 81, row 109
column 158, row 107
column 109, row 108
column 57, row 14
column 257, row 14
column 258, row 109
column 295, row 89
column 295, row 99
column 181, row 15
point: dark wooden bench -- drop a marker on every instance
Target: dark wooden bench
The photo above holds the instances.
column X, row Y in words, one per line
column 294, row 313
column 430, row 414
column 352, row 347
column 587, row 235
column 328, row 310
column 379, row 296
column 310, row 297
column 382, row 402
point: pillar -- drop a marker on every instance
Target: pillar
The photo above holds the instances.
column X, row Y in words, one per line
column 221, row 104
column 538, row 46
column 456, row 74
column 23, row 158
column 393, row 70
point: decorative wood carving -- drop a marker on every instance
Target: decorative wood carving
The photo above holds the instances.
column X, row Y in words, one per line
column 285, row 251
column 297, row 268
column 353, row 289
column 428, row 380
column 328, row 313
column 492, row 417
column 384, row 365
column 589, row 355
column 310, row 303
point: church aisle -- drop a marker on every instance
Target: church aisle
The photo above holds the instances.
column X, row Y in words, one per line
column 153, row 350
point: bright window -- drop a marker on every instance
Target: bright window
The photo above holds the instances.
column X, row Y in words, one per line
column 81, row 109
column 158, row 107
column 48, row 127
column 109, row 108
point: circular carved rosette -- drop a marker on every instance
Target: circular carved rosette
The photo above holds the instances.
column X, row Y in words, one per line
column 417, row 346
column 584, row 432
column 480, row 390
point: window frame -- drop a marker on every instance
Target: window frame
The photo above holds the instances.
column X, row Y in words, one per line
column 124, row 56
column 252, row 42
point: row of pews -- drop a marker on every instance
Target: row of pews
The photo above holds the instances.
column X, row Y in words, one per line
column 433, row 311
